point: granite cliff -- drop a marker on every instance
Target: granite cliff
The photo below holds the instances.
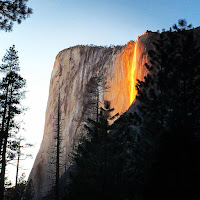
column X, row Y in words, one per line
column 74, row 68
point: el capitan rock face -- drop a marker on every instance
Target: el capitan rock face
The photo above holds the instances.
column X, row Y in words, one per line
column 74, row 67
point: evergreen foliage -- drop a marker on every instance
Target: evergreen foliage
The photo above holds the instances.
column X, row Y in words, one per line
column 24, row 190
column 11, row 93
column 13, row 11
column 93, row 173
column 154, row 152
column 168, row 116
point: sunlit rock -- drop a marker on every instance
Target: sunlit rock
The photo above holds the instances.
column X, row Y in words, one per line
column 74, row 67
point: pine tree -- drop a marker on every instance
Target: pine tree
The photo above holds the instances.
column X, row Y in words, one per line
column 58, row 151
column 56, row 159
column 17, row 146
column 92, row 160
column 24, row 190
column 92, row 96
column 11, row 93
column 168, row 113
column 126, row 158
column 13, row 11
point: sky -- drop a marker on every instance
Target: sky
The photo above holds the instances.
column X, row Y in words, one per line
column 59, row 24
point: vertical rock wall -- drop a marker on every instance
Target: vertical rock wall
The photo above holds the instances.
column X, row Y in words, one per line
column 73, row 69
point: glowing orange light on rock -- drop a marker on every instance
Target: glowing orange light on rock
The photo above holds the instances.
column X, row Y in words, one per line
column 128, row 67
column 133, row 91
column 146, row 33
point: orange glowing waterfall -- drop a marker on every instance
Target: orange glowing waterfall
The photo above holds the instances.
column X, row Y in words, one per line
column 133, row 91
column 127, row 69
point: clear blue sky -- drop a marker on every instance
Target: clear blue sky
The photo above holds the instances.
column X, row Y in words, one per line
column 59, row 24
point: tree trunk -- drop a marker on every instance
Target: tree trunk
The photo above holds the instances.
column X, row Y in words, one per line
column 2, row 174
column 3, row 120
column 16, row 180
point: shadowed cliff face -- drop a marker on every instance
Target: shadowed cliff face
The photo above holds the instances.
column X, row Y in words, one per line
column 73, row 70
